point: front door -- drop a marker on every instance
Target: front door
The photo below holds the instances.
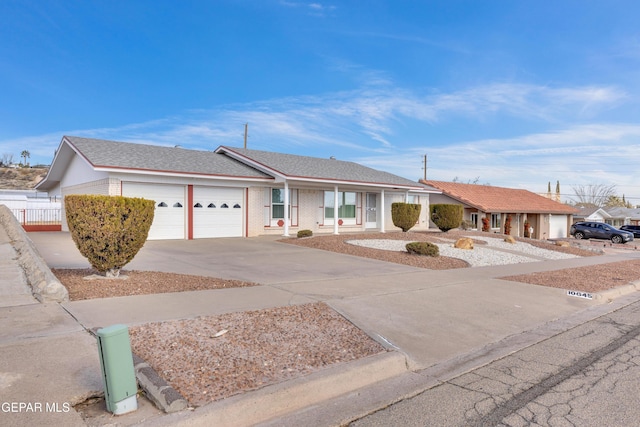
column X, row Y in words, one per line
column 371, row 220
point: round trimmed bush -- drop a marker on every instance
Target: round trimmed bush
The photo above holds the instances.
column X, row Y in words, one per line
column 305, row 233
column 108, row 230
column 423, row 248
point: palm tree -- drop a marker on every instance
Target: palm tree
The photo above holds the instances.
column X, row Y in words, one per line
column 25, row 154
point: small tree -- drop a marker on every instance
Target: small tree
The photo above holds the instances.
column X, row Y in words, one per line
column 405, row 215
column 446, row 217
column 507, row 225
column 25, row 155
column 108, row 230
column 485, row 224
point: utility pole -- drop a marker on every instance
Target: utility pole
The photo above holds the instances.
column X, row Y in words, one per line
column 424, row 161
column 246, row 133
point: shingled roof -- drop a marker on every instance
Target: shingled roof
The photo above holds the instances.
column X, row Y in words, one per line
column 224, row 162
column 292, row 166
column 125, row 155
column 487, row 198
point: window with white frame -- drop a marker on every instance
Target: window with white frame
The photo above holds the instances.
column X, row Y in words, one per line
column 277, row 203
column 495, row 220
column 274, row 209
column 346, row 205
column 474, row 220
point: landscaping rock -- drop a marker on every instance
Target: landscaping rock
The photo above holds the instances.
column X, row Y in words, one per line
column 510, row 239
column 463, row 243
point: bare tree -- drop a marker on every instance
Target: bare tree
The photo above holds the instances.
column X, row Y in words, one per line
column 596, row 195
column 7, row 159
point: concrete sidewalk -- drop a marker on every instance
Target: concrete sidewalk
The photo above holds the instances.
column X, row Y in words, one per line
column 48, row 362
column 431, row 317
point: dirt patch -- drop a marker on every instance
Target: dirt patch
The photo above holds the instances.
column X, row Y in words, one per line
column 594, row 278
column 336, row 243
column 204, row 363
column 137, row 283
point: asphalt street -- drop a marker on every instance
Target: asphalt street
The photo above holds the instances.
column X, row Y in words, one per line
column 587, row 376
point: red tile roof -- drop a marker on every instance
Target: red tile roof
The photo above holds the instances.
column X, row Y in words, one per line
column 487, row 198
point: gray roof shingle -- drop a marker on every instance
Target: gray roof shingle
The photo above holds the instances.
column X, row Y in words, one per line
column 126, row 155
column 295, row 166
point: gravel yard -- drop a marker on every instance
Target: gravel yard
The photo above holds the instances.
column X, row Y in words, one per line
column 269, row 346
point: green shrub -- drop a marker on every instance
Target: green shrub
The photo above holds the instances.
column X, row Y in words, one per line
column 405, row 215
column 446, row 217
column 305, row 233
column 108, row 230
column 423, row 248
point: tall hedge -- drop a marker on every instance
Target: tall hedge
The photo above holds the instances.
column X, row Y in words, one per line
column 405, row 215
column 108, row 230
column 446, row 217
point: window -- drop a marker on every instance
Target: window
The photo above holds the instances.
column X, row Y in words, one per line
column 277, row 203
column 474, row 220
column 346, row 205
column 495, row 220
column 197, row 205
column 224, row 206
column 162, row 205
column 177, row 205
column 211, row 205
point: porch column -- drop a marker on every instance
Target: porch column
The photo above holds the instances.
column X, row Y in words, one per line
column 286, row 208
column 335, row 210
column 406, row 197
column 382, row 211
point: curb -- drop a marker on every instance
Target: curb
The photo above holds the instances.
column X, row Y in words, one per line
column 610, row 294
column 280, row 399
column 157, row 390
column 44, row 285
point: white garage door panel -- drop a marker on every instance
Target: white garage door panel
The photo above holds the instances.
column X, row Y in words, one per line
column 558, row 226
column 218, row 221
column 169, row 220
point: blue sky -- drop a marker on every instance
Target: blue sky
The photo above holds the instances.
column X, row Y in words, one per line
column 507, row 93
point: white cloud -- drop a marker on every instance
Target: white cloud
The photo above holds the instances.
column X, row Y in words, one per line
column 376, row 124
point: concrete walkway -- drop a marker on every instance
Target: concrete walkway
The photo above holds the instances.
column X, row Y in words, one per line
column 47, row 361
column 429, row 316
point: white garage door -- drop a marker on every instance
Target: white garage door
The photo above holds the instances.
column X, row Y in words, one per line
column 170, row 213
column 217, row 212
column 557, row 226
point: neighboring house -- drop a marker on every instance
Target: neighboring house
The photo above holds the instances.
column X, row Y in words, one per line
column 623, row 216
column 547, row 218
column 34, row 210
column 593, row 213
column 234, row 192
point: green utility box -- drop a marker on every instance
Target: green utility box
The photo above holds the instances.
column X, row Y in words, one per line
column 118, row 374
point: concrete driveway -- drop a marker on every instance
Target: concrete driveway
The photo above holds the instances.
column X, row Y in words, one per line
column 430, row 316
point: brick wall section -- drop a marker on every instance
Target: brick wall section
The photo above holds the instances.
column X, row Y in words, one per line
column 255, row 207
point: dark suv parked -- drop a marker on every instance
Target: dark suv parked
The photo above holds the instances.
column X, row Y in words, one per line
column 600, row 230
column 635, row 229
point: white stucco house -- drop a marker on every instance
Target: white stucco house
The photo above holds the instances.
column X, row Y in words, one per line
column 234, row 192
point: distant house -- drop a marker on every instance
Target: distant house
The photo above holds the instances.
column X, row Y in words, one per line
column 623, row 216
column 547, row 218
column 592, row 213
column 234, row 192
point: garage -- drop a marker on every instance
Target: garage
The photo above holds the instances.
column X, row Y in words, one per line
column 169, row 218
column 217, row 212
column 557, row 226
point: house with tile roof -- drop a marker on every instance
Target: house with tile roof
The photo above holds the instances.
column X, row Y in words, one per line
column 234, row 192
column 545, row 218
